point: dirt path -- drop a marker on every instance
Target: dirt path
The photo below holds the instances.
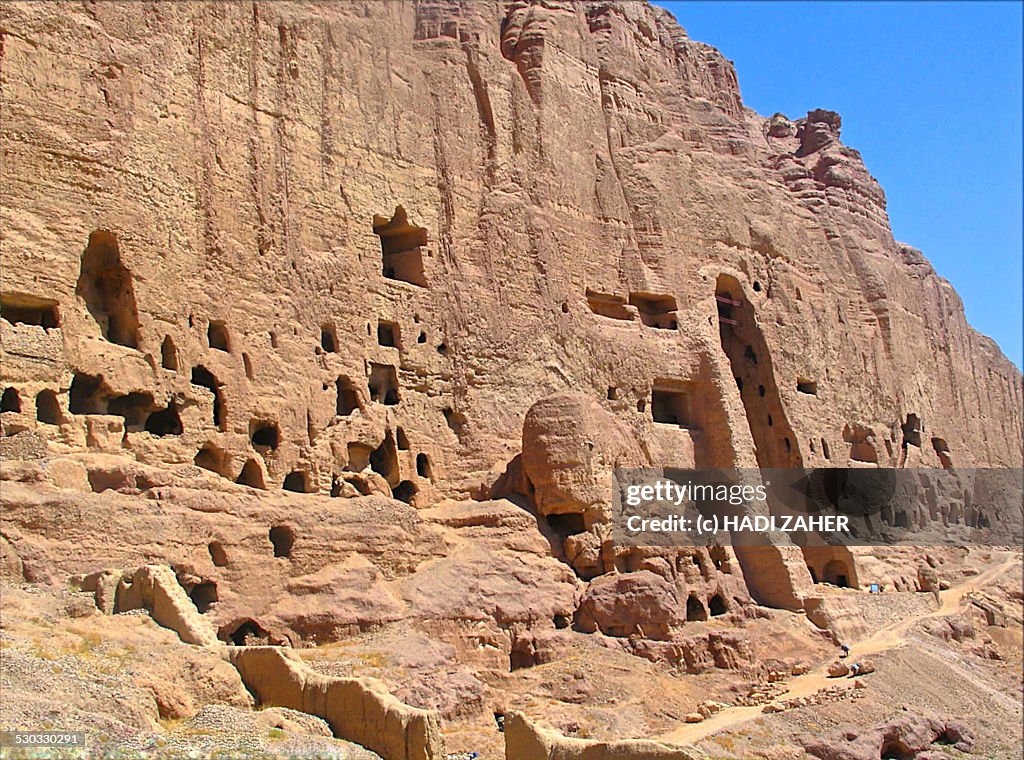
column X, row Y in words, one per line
column 887, row 637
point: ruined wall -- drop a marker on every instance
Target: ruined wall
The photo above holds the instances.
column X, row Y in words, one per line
column 357, row 709
column 203, row 260
column 527, row 741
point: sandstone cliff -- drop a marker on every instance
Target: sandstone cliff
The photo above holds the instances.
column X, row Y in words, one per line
column 270, row 269
column 192, row 187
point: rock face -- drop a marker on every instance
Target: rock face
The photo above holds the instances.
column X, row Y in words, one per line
column 216, row 260
column 341, row 314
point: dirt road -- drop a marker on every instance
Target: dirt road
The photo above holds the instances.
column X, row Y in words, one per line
column 887, row 637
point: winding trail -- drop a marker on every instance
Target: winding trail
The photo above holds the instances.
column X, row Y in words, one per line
column 887, row 637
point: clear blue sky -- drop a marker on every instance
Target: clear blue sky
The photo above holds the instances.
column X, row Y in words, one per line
column 930, row 94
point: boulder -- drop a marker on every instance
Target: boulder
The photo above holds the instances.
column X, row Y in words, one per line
column 630, row 604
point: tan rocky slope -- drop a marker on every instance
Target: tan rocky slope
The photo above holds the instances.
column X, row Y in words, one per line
column 344, row 312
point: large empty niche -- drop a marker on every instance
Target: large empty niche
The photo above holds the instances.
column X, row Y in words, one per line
column 383, row 384
column 204, row 595
column 655, row 310
column 750, row 359
column 861, row 440
column 401, row 439
column 134, row 407
column 423, row 468
column 164, row 421
column 942, row 451
column 566, row 524
column 831, row 564
column 717, row 605
column 611, row 306
column 358, row 456
column 88, row 394
column 695, row 609
column 246, row 633
column 671, row 405
column 402, row 247
column 106, row 286
column 25, row 309
column 405, row 491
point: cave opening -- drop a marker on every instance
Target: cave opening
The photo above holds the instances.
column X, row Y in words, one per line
column 695, row 609
column 282, row 538
column 105, row 284
column 25, row 309
column 656, row 310
column 168, row 354
column 10, row 401
column 402, row 246
column 251, row 475
column 48, row 407
column 383, row 384
column 203, row 378
column 217, row 336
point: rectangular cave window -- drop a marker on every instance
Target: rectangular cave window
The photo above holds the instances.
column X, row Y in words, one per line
column 387, row 333
column 810, row 387
column 328, row 339
column 656, row 310
column 217, row 336
column 24, row 309
column 383, row 384
column 671, row 406
column 401, row 248
column 423, row 465
column 610, row 306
